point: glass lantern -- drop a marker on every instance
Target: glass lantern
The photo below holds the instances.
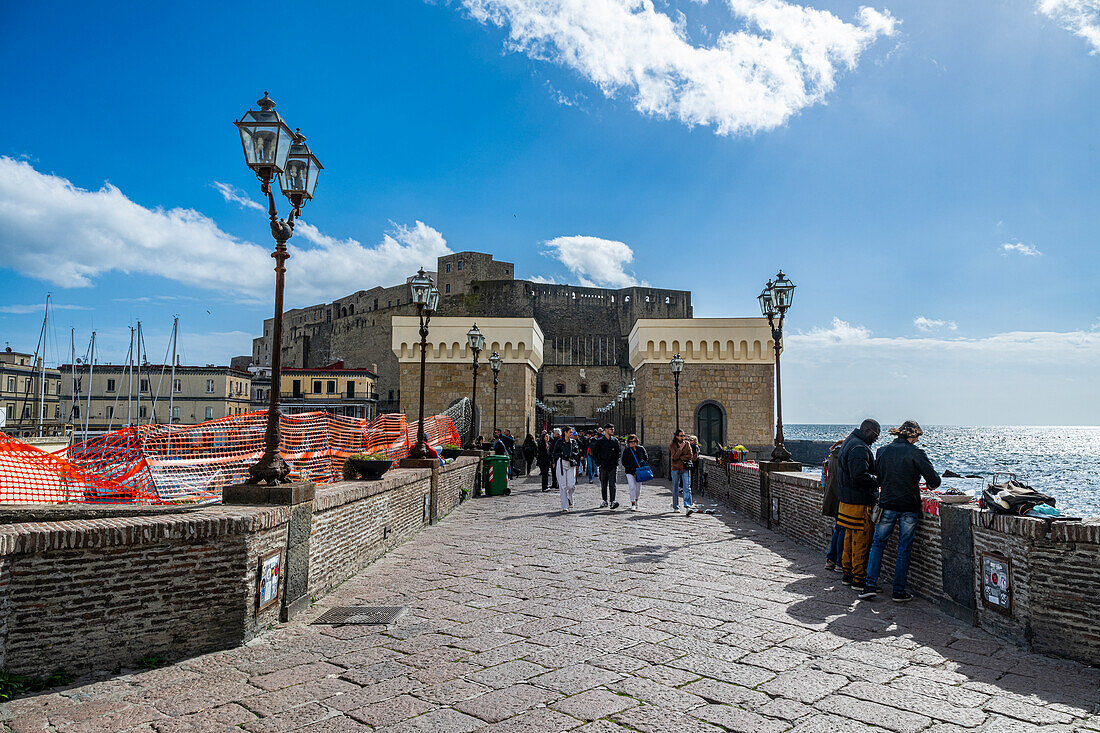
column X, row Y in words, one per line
column 767, row 301
column 433, row 300
column 266, row 139
column 299, row 178
column 784, row 292
column 677, row 364
column 420, row 284
column 475, row 338
column 495, row 362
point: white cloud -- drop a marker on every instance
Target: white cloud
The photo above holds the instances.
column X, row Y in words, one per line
column 37, row 308
column 1081, row 17
column 750, row 80
column 67, row 236
column 928, row 324
column 545, row 280
column 597, row 263
column 846, row 342
column 235, row 195
column 1024, row 249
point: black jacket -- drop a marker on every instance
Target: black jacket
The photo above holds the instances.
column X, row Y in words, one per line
column 633, row 457
column 606, row 451
column 510, row 442
column 568, row 450
column 530, row 448
column 543, row 456
column 500, row 448
column 900, row 466
column 858, row 481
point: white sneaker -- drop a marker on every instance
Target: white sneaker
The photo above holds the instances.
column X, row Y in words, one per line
column 603, row 505
column 633, row 506
column 688, row 510
column 570, row 505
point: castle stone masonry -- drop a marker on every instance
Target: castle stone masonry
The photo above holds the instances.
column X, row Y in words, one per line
column 591, row 343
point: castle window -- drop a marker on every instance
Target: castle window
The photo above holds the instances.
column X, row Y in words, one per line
column 460, row 264
column 389, row 304
column 583, row 388
column 604, row 388
column 559, row 388
column 448, row 285
column 376, row 303
column 351, row 309
column 399, row 301
column 476, row 289
column 448, row 267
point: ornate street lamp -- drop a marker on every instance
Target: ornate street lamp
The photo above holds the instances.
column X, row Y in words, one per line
column 477, row 343
column 677, row 366
column 495, row 363
column 272, row 151
column 630, row 412
column 426, row 298
column 775, row 299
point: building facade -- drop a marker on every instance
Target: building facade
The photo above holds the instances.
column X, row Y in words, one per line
column 333, row 389
column 27, row 411
column 112, row 396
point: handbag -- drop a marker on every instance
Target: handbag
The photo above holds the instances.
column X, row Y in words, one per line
column 642, row 472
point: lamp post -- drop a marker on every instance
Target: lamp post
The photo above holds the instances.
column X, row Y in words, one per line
column 477, row 343
column 622, row 402
column 272, row 151
column 775, row 299
column 495, row 363
column 426, row 298
column 677, row 366
column 630, row 413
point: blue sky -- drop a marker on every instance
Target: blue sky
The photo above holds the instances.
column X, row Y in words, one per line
column 883, row 157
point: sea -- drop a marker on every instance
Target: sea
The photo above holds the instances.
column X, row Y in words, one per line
column 1063, row 462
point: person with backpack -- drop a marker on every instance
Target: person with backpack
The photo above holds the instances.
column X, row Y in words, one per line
column 530, row 449
column 901, row 464
column 858, row 489
column 830, row 506
column 634, row 458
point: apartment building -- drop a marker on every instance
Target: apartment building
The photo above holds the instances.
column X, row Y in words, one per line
column 21, row 398
column 334, row 389
column 123, row 396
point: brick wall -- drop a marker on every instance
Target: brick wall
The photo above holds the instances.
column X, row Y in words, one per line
column 97, row 594
column 1055, row 568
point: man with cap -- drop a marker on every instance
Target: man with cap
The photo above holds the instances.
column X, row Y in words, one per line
column 901, row 464
column 858, row 487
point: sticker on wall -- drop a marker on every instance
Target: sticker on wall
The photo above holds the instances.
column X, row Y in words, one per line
column 997, row 582
column 427, row 506
column 269, row 579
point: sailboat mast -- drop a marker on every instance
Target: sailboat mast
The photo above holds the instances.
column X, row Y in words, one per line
column 130, row 379
column 138, row 358
column 42, row 386
column 72, row 365
column 91, row 369
column 172, row 385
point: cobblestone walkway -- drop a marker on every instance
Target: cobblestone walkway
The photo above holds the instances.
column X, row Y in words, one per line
column 524, row 619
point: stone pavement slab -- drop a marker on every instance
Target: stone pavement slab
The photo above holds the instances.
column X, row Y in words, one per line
column 526, row 619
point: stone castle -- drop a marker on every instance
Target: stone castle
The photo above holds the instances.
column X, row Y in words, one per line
column 584, row 349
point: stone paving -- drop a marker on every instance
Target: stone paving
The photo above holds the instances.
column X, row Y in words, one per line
column 525, row 619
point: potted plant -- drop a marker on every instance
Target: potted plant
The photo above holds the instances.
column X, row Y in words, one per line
column 366, row 466
column 450, row 450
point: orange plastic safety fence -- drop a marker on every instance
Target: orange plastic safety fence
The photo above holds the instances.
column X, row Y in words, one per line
column 171, row 464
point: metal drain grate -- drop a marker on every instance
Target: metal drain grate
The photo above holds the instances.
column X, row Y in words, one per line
column 362, row 615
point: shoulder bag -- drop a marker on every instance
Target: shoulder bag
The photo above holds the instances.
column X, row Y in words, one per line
column 642, row 472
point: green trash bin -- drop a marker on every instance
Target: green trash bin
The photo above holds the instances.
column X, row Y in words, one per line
column 495, row 475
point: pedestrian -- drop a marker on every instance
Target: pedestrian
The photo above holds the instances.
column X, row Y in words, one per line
column 555, row 436
column 589, row 459
column 530, row 448
column 901, row 464
column 607, row 451
column 858, row 492
column 680, row 458
column 696, row 465
column 633, row 458
column 584, row 444
column 500, row 448
column 566, row 456
column 544, row 460
column 830, row 506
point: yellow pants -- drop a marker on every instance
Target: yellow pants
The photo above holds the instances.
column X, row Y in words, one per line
column 858, row 532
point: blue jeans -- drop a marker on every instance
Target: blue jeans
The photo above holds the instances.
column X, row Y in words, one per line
column 836, row 546
column 590, row 467
column 908, row 524
column 677, row 478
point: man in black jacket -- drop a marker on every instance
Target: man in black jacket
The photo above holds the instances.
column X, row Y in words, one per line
column 607, row 451
column 901, row 464
column 858, row 487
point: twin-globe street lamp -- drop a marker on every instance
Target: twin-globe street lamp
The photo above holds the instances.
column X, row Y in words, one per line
column 774, row 301
column 477, row 342
column 272, row 151
column 426, row 297
column 495, row 363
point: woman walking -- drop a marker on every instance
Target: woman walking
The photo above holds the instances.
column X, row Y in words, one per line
column 633, row 457
column 566, row 454
column 680, row 457
column 529, row 451
column 544, row 459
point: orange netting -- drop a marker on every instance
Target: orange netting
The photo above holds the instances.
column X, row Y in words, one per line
column 169, row 464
